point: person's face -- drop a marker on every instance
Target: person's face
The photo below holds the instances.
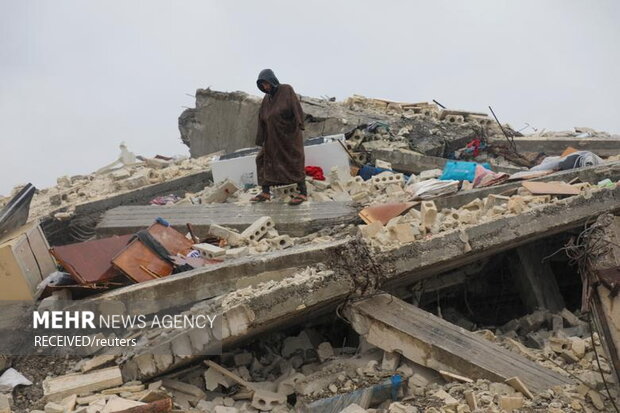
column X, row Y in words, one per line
column 266, row 86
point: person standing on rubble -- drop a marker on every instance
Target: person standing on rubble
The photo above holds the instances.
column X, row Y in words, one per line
column 280, row 125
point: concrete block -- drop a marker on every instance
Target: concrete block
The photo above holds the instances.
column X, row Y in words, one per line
column 296, row 345
column 325, row 351
column 370, row 231
column 52, row 407
column 281, row 242
column 258, row 229
column 284, row 191
column 209, row 250
column 5, row 403
column 237, row 252
column 510, row 403
column 430, row 174
column 232, row 238
column 404, row 233
column 221, row 192
column 243, row 359
column 266, row 401
column 135, row 182
column 516, row 205
column 120, row 174
column 390, row 361
column 387, row 178
column 428, row 211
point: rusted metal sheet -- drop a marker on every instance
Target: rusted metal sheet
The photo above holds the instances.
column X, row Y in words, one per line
column 90, row 262
column 140, row 263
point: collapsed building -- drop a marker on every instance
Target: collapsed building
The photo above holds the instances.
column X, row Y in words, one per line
column 395, row 289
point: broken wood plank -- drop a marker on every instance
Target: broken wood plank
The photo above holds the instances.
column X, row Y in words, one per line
column 394, row 325
column 57, row 388
column 454, row 377
column 385, row 212
column 308, row 218
column 550, row 188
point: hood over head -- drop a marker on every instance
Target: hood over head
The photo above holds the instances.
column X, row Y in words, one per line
column 268, row 76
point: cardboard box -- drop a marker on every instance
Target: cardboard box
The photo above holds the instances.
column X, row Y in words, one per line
column 24, row 262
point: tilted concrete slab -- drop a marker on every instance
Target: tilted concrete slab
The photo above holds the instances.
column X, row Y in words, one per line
column 396, row 326
column 555, row 145
column 444, row 251
column 185, row 288
column 591, row 174
column 87, row 214
column 296, row 221
column 412, row 162
column 356, row 272
column 242, row 315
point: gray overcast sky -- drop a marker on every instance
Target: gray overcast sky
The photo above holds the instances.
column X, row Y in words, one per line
column 78, row 77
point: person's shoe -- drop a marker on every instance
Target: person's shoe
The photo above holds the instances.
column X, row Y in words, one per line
column 297, row 199
column 262, row 197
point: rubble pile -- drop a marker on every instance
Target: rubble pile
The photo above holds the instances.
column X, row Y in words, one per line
column 61, row 199
column 304, row 322
column 305, row 371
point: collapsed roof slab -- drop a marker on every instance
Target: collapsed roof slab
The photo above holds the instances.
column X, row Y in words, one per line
column 185, row 288
column 396, row 326
column 297, row 221
column 555, row 145
column 408, row 161
column 59, row 232
column 418, row 260
column 590, row 174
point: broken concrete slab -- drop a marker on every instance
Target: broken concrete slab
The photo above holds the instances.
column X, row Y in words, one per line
column 408, row 161
column 555, row 145
column 591, row 174
column 213, row 280
column 247, row 313
column 302, row 220
column 229, row 121
column 394, row 325
column 86, row 215
column 413, row 262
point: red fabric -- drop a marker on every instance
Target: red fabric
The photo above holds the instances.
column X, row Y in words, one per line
column 474, row 146
column 315, row 172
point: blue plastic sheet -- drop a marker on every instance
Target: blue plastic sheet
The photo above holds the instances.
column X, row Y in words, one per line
column 461, row 170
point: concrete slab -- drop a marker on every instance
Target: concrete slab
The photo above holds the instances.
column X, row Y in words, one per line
column 396, row 326
column 555, row 145
column 295, row 221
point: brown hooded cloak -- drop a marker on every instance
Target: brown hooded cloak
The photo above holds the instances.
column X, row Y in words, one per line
column 280, row 125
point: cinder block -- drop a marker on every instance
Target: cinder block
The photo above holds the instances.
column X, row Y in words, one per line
column 221, row 192
column 258, row 229
column 281, row 242
column 209, row 250
column 284, row 191
column 231, row 237
column 387, row 178
column 237, row 252
column 428, row 210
